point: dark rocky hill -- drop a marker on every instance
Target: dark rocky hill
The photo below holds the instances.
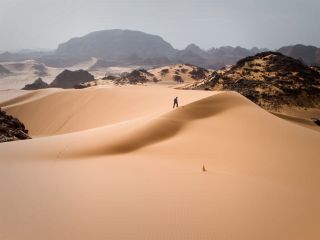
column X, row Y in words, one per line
column 37, row 84
column 269, row 79
column 70, row 79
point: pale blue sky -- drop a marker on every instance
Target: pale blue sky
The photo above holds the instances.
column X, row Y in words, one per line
column 207, row 23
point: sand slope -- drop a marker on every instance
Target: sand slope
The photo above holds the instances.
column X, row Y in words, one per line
column 55, row 111
column 138, row 175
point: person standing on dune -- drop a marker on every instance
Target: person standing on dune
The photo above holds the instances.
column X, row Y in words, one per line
column 175, row 102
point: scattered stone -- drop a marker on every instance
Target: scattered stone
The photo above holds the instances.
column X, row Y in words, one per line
column 204, row 168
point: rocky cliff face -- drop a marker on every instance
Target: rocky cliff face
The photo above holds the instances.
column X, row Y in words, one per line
column 11, row 129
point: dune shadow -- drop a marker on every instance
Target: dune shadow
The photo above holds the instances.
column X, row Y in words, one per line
column 168, row 125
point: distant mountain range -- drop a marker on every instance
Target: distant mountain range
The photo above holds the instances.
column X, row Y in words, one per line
column 126, row 47
column 310, row 55
column 23, row 55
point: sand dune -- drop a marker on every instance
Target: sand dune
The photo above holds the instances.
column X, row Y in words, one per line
column 301, row 120
column 129, row 167
column 53, row 111
column 6, row 95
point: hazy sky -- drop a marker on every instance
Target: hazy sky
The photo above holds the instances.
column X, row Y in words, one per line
column 208, row 23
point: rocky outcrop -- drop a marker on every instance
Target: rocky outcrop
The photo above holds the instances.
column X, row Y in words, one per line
column 11, row 129
column 37, row 84
column 270, row 79
column 198, row 73
column 138, row 76
column 70, row 79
